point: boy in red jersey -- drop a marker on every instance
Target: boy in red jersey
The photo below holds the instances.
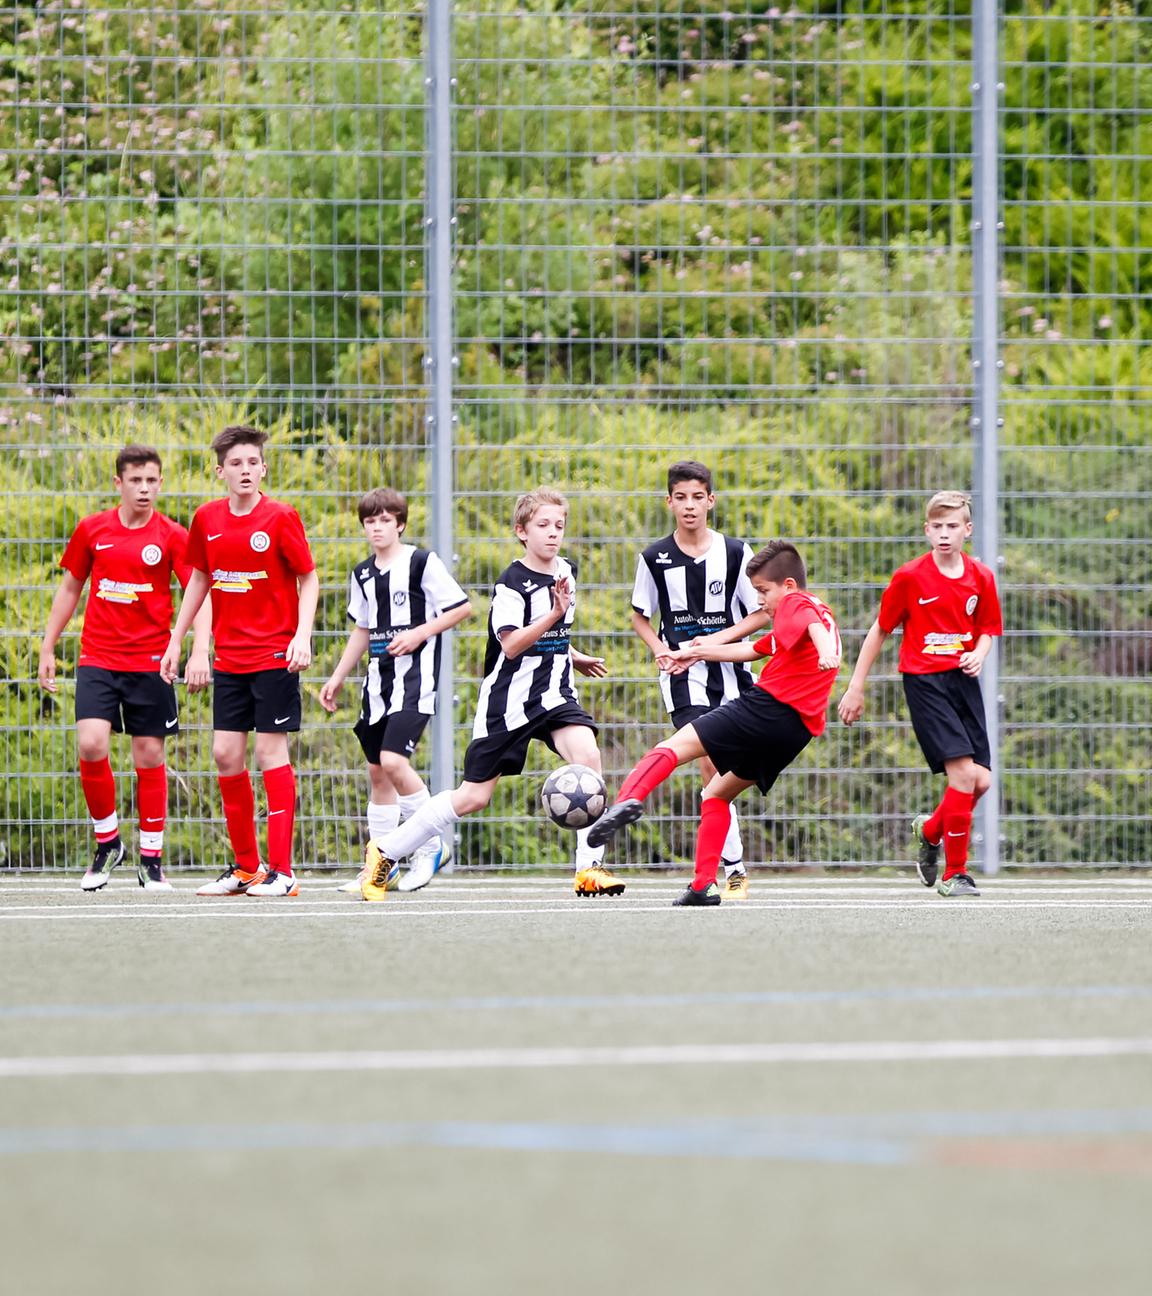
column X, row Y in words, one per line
column 752, row 738
column 251, row 553
column 948, row 606
column 131, row 554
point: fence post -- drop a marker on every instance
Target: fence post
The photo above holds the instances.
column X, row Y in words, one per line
column 439, row 224
column 986, row 369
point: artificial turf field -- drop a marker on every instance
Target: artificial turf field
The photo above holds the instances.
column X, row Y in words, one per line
column 840, row 1085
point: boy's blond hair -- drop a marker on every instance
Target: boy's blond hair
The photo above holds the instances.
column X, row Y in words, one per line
column 529, row 503
column 949, row 502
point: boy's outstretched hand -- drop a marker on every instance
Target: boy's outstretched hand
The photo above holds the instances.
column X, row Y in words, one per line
column 594, row 667
column 329, row 692
column 851, row 706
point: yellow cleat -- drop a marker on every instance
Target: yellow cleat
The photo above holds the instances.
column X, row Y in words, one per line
column 597, row 881
column 380, row 875
column 736, row 886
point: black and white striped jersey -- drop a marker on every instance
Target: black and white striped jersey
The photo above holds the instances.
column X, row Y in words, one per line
column 416, row 587
column 697, row 596
column 518, row 691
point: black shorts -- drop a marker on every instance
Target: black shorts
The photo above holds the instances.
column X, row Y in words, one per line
column 398, row 733
column 754, row 736
column 133, row 702
column 267, row 701
column 507, row 753
column 947, row 711
column 687, row 715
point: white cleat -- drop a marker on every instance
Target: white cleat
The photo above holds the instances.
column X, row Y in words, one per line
column 353, row 887
column 276, row 884
column 429, row 860
column 232, row 882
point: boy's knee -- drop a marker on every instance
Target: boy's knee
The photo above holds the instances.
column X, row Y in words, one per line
column 468, row 798
column 391, row 765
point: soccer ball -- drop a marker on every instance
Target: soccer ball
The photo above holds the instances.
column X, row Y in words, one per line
column 574, row 796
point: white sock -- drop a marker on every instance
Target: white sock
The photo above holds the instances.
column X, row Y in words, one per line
column 436, row 817
column 413, row 801
column 382, row 819
column 587, row 856
column 733, row 851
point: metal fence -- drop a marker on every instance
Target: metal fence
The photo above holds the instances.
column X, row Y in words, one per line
column 467, row 248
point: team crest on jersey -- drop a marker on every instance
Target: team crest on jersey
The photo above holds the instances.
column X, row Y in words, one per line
column 716, row 587
column 970, row 606
column 260, row 541
column 151, row 554
column 400, row 597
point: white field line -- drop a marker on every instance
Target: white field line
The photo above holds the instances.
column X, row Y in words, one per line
column 519, row 1059
column 292, row 911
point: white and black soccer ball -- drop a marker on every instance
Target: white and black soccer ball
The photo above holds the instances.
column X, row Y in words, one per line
column 574, row 796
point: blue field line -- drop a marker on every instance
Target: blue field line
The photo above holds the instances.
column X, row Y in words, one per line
column 892, row 1139
column 550, row 1003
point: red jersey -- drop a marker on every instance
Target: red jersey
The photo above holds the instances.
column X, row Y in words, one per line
column 252, row 561
column 129, row 614
column 792, row 673
column 942, row 616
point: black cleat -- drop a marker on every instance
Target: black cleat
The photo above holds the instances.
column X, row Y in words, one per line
column 694, row 897
column 959, row 885
column 613, row 819
column 108, row 855
column 927, row 855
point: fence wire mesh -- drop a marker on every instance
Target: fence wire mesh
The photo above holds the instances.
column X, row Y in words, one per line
column 737, row 234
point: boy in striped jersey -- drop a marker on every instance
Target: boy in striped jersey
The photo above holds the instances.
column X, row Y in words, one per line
column 527, row 693
column 401, row 599
column 695, row 581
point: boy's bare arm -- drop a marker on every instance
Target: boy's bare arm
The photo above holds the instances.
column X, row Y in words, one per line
column 971, row 663
column 63, row 606
column 354, row 650
column 751, row 624
column 407, row 641
column 851, row 706
column 707, row 649
column 299, row 654
column 824, row 641
column 195, row 592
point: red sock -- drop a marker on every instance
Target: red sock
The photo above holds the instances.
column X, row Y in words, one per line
column 152, row 802
column 99, row 789
column 280, row 789
column 715, row 820
column 956, row 812
column 240, row 816
column 649, row 772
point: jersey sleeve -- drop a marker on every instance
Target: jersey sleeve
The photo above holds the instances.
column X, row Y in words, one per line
column 294, row 544
column 77, row 556
column 195, row 554
column 441, row 589
column 988, row 617
column 507, row 609
column 645, row 599
column 357, row 603
column 792, row 620
column 894, row 603
column 745, row 591
column 178, row 548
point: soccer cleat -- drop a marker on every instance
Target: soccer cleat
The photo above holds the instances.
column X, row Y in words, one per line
column 736, row 886
column 692, row 897
column 108, row 855
column 150, row 875
column 275, row 884
column 959, row 885
column 426, row 863
column 381, row 874
column 597, row 881
column 927, row 855
column 353, row 887
column 613, row 819
column 233, row 881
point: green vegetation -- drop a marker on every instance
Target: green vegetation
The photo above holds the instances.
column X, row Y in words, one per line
column 742, row 236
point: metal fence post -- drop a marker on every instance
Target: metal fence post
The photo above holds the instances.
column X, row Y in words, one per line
column 986, row 367
column 441, row 359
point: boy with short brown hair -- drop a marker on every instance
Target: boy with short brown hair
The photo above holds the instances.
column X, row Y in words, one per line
column 950, row 611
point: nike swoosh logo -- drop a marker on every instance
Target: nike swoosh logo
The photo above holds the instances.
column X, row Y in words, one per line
column 170, row 724
column 216, row 536
column 931, row 600
column 153, row 820
column 957, row 834
column 274, row 812
column 107, row 546
column 281, row 719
